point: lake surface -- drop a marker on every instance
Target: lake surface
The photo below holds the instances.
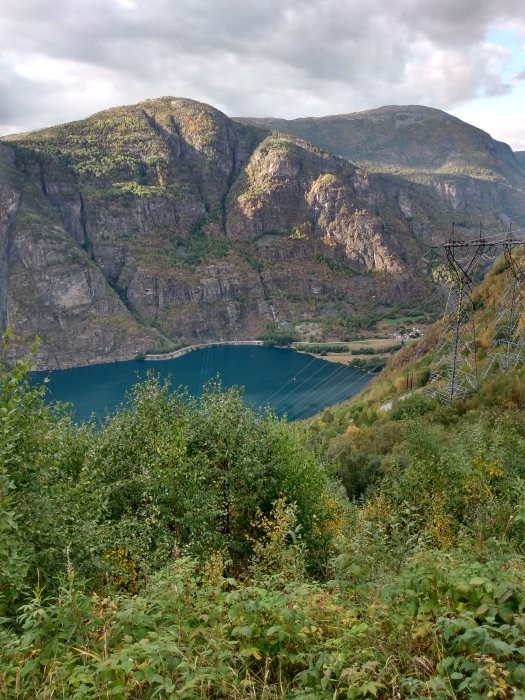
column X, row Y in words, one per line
column 293, row 384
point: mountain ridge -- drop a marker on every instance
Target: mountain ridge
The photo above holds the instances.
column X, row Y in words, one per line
column 352, row 143
column 166, row 222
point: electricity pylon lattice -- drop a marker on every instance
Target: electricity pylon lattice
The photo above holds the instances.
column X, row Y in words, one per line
column 454, row 373
column 507, row 349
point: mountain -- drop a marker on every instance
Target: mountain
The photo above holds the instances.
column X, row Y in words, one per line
column 412, row 137
column 461, row 164
column 163, row 223
column 520, row 157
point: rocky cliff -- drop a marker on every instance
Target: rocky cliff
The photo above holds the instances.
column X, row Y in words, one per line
column 459, row 164
column 167, row 222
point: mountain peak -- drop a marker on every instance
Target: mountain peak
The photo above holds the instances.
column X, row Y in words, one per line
column 405, row 136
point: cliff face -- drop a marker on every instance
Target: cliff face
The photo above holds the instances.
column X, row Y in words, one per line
column 454, row 164
column 168, row 222
column 50, row 287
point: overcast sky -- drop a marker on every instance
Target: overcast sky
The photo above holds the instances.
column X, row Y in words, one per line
column 66, row 59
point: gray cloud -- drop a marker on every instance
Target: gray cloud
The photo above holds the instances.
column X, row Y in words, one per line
column 66, row 59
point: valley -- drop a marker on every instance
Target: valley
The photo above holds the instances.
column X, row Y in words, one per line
column 362, row 535
column 146, row 228
column 262, row 350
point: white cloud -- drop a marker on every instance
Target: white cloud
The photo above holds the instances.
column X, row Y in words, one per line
column 70, row 58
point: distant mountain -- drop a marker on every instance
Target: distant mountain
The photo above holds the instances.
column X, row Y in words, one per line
column 461, row 164
column 411, row 137
column 167, row 222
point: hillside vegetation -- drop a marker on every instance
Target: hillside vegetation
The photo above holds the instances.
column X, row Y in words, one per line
column 195, row 549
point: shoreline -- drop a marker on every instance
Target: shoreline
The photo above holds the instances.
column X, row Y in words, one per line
column 190, row 348
column 334, row 358
column 337, row 358
column 154, row 357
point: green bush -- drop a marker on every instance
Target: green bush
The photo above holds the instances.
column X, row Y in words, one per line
column 363, row 351
column 194, row 548
column 277, row 336
column 163, row 474
column 321, row 348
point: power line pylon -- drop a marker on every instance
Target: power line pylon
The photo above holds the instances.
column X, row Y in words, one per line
column 454, row 373
column 507, row 349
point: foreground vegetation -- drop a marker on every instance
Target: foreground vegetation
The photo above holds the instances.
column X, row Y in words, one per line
column 188, row 548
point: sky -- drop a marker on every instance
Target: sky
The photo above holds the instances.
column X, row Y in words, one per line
column 66, row 59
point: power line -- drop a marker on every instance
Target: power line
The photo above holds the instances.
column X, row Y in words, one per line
column 507, row 349
column 455, row 373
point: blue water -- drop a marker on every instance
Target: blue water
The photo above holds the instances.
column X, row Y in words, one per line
column 293, row 384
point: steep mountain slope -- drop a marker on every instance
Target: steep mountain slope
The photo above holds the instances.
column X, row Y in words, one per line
column 166, row 222
column 520, row 157
column 403, row 136
column 49, row 285
column 460, row 164
column 400, row 390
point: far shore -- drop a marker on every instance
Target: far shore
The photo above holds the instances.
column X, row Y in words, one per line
column 341, row 358
column 190, row 348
